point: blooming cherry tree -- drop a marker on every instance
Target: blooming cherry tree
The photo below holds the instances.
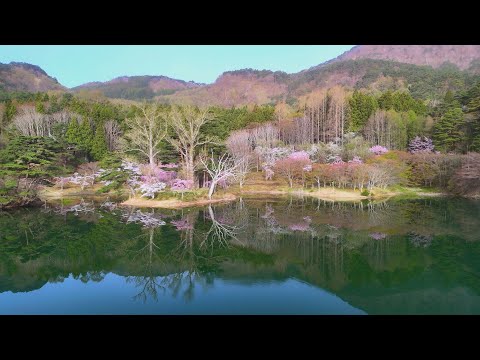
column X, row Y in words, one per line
column 378, row 150
column 421, row 145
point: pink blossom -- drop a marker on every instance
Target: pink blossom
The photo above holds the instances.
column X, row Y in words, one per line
column 303, row 226
column 337, row 160
column 299, row 156
column 165, row 176
column 307, row 168
column 182, row 224
column 378, row 236
column 355, row 160
column 378, row 150
column 222, row 183
column 180, row 184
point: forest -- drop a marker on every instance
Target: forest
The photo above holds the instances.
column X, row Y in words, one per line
column 357, row 140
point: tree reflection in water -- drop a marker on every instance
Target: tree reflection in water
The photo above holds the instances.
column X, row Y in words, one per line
column 197, row 251
column 333, row 245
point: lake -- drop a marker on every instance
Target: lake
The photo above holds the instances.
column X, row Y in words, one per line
column 254, row 256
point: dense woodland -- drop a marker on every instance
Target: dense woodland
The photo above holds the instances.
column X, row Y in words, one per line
column 337, row 137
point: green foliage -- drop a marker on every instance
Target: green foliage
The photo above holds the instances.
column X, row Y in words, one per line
column 415, row 125
column 401, row 101
column 361, row 106
column 110, row 161
column 424, row 82
column 85, row 135
column 80, row 135
column 365, row 192
column 134, row 88
column 73, row 132
column 471, row 101
column 228, row 120
column 99, row 145
column 10, row 112
column 30, row 156
column 448, row 132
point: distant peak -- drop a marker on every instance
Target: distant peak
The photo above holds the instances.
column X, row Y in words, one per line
column 29, row 67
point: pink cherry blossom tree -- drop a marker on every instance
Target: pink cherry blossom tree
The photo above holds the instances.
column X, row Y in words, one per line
column 378, row 150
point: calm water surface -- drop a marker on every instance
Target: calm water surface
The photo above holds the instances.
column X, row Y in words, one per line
column 275, row 256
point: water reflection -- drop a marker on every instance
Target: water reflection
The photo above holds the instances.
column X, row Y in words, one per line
column 378, row 257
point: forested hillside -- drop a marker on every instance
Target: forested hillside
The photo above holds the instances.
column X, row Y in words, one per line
column 136, row 87
column 432, row 55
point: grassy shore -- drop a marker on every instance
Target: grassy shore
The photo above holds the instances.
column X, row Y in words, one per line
column 255, row 186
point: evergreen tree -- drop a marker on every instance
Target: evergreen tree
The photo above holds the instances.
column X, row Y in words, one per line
column 10, row 111
column 73, row 132
column 40, row 107
column 385, row 101
column 448, row 132
column 361, row 106
column 86, row 135
column 99, row 145
column 472, row 100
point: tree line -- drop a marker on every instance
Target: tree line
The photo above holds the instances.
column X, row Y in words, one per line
column 44, row 134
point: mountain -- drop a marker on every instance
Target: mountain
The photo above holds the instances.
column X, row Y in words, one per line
column 432, row 55
column 234, row 88
column 426, row 71
column 18, row 76
column 424, row 82
column 138, row 87
column 244, row 87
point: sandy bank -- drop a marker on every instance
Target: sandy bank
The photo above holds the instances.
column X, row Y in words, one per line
column 174, row 203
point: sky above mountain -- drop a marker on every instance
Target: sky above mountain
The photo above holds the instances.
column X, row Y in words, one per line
column 74, row 65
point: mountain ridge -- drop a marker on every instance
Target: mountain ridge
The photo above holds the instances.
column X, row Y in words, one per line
column 20, row 76
column 363, row 66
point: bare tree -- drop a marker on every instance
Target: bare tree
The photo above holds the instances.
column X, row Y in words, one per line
column 112, row 134
column 467, row 177
column 147, row 131
column 266, row 136
column 239, row 146
column 244, row 165
column 186, row 123
column 219, row 170
column 220, row 232
column 29, row 122
column 239, row 143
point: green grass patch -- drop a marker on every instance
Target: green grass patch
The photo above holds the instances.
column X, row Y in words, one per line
column 66, row 202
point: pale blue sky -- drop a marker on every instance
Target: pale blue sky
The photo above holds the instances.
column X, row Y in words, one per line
column 73, row 65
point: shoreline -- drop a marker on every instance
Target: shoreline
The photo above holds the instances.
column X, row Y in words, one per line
column 328, row 194
column 175, row 203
